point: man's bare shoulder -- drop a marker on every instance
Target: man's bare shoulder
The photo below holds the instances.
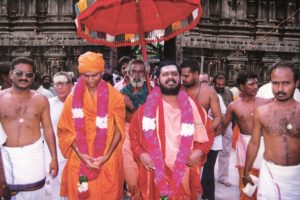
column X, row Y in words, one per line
column 38, row 96
column 3, row 92
column 234, row 104
column 207, row 91
column 262, row 101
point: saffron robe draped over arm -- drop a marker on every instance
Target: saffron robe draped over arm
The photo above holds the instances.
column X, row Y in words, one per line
column 109, row 183
column 190, row 183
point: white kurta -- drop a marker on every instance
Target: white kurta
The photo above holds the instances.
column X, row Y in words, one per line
column 53, row 184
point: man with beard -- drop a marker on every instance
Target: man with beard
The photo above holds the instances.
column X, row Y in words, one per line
column 22, row 111
column 165, row 134
column 279, row 121
column 205, row 97
column 224, row 155
column 37, row 86
column 135, row 94
column 241, row 111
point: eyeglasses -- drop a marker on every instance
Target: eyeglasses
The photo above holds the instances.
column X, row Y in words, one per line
column 20, row 74
column 62, row 84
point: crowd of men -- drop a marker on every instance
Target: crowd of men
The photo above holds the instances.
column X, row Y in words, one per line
column 147, row 139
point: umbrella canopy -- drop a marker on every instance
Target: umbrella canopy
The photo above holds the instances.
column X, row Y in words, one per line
column 118, row 23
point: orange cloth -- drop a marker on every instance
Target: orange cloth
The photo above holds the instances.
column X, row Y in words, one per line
column 130, row 166
column 108, row 185
column 90, row 62
column 148, row 190
column 235, row 135
column 243, row 196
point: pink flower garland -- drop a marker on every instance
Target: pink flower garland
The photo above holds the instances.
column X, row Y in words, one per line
column 101, row 124
column 186, row 141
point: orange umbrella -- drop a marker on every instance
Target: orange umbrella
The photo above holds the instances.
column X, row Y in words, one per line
column 117, row 23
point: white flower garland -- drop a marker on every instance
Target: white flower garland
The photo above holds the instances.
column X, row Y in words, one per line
column 101, row 122
column 148, row 123
column 187, row 129
column 77, row 113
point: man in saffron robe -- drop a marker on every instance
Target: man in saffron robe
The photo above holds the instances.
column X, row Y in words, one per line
column 90, row 132
column 164, row 134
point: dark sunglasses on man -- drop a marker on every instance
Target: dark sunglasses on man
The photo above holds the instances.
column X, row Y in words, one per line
column 20, row 74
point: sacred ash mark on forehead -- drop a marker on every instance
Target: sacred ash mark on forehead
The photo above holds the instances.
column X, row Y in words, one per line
column 251, row 80
column 60, row 78
column 168, row 68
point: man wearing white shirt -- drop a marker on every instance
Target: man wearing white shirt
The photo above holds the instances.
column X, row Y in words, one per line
column 62, row 83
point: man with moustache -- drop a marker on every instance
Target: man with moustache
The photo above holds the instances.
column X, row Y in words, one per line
column 241, row 111
column 279, row 121
column 205, row 97
column 135, row 94
column 22, row 111
column 224, row 155
column 165, row 134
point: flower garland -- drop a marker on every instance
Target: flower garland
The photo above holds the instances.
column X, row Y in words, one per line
column 86, row 174
column 186, row 133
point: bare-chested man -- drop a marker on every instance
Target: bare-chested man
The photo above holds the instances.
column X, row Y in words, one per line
column 207, row 98
column 242, row 111
column 280, row 123
column 21, row 113
column 135, row 94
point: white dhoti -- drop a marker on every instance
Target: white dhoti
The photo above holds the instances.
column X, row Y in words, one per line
column 24, row 170
column 241, row 149
column 278, row 182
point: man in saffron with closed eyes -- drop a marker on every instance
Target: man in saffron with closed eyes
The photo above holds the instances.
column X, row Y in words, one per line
column 91, row 131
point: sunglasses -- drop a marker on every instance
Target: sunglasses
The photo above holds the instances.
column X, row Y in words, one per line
column 20, row 74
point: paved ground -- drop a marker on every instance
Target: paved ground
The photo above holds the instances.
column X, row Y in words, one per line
column 222, row 192
column 228, row 193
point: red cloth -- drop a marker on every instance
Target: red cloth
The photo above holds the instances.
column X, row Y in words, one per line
column 205, row 147
column 147, row 187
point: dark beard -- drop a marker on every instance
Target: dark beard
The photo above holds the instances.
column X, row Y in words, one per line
column 189, row 85
column 220, row 90
column 46, row 85
column 169, row 91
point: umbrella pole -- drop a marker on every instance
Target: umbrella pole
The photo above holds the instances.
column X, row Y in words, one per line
column 143, row 44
